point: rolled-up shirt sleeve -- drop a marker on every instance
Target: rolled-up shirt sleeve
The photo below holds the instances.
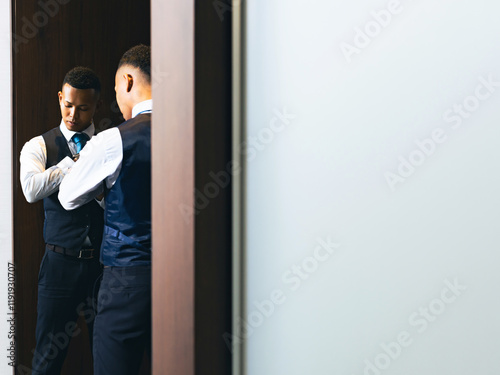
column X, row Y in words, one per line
column 37, row 182
column 99, row 162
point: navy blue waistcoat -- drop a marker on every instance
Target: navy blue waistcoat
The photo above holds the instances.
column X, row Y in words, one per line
column 127, row 231
column 68, row 228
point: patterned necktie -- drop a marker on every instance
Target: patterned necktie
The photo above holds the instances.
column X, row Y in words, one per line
column 80, row 140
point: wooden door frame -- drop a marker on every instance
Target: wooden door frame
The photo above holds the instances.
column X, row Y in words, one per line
column 192, row 215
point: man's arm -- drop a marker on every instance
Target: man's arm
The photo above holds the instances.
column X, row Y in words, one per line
column 100, row 160
column 36, row 181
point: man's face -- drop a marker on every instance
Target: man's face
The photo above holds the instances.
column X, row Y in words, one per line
column 122, row 92
column 77, row 107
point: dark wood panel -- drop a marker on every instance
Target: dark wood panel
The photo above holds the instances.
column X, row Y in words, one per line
column 48, row 41
column 213, row 140
column 191, row 189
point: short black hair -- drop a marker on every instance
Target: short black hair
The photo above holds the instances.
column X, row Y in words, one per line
column 138, row 57
column 83, row 78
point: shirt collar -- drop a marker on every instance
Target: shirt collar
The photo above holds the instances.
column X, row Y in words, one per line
column 145, row 106
column 69, row 133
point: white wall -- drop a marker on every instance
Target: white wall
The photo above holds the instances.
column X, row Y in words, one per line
column 413, row 264
column 5, row 183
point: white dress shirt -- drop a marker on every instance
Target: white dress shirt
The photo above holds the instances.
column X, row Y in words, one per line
column 37, row 182
column 100, row 161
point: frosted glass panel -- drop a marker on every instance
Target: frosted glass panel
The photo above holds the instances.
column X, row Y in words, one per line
column 373, row 187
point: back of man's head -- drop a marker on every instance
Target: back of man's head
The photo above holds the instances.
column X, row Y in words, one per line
column 138, row 57
column 82, row 78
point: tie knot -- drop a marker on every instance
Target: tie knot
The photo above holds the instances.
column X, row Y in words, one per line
column 80, row 139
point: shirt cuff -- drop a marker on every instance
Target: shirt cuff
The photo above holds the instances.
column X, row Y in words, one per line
column 101, row 203
column 65, row 164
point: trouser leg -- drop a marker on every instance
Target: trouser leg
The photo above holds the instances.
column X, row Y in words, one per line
column 56, row 312
column 122, row 329
column 88, row 306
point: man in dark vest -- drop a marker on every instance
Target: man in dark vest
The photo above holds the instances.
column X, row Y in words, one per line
column 70, row 268
column 120, row 158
